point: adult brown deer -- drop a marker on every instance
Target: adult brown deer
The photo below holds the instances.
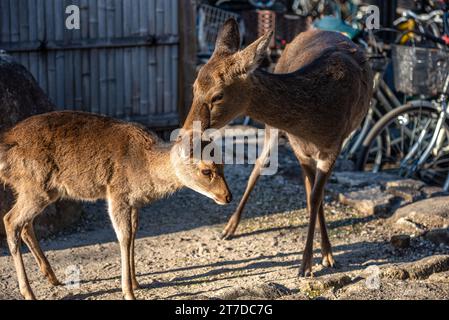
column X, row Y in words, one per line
column 89, row 157
column 318, row 95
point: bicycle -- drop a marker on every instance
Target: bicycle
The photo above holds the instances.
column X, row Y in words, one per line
column 413, row 140
column 385, row 99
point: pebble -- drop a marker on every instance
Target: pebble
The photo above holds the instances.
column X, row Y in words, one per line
column 400, row 241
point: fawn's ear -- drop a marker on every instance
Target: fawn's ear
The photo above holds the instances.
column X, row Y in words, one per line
column 228, row 40
column 190, row 144
column 251, row 57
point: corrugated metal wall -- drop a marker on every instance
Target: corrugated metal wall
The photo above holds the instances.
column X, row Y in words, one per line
column 123, row 62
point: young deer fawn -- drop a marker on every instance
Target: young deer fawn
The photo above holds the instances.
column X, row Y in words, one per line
column 318, row 95
column 88, row 157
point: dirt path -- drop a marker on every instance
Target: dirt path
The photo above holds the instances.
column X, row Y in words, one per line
column 179, row 254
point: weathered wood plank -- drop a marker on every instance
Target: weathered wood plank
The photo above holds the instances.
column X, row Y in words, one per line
column 123, row 62
column 187, row 58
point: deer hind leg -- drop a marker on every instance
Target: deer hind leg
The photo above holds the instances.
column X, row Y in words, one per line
column 315, row 205
column 29, row 237
column 134, row 227
column 121, row 217
column 23, row 213
column 261, row 162
column 326, row 249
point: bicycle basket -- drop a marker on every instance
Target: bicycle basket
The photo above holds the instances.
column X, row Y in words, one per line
column 419, row 71
column 210, row 20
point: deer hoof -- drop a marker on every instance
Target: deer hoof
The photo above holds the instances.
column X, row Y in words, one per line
column 306, row 268
column 130, row 296
column 329, row 261
column 229, row 230
column 136, row 285
column 28, row 295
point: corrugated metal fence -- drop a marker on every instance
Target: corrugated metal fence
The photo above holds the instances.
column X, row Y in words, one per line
column 123, row 61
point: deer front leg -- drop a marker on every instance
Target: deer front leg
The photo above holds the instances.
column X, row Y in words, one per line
column 121, row 217
column 234, row 221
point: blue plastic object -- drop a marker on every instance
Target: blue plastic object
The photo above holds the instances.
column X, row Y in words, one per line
column 331, row 23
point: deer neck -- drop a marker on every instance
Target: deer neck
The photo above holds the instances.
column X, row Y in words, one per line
column 163, row 175
column 275, row 99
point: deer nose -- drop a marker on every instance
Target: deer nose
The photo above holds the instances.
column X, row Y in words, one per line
column 229, row 198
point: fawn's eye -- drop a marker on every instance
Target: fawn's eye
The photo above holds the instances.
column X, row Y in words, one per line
column 217, row 97
column 206, row 172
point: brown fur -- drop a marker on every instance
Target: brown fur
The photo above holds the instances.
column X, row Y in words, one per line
column 88, row 157
column 318, row 95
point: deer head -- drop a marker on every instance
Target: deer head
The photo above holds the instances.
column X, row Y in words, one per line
column 219, row 90
column 201, row 175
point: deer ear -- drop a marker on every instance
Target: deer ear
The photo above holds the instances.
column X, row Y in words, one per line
column 250, row 58
column 228, row 40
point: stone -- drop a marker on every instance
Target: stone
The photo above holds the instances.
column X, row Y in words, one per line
column 405, row 183
column 370, row 200
column 264, row 291
column 432, row 191
column 20, row 98
column 362, row 179
column 315, row 286
column 438, row 236
column 417, row 270
column 440, row 277
column 424, row 215
column 344, row 165
column 407, row 194
column 403, row 224
column 400, row 241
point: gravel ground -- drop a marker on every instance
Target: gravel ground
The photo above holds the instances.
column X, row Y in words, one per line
column 179, row 254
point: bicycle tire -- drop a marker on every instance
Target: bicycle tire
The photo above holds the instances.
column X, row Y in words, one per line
column 385, row 121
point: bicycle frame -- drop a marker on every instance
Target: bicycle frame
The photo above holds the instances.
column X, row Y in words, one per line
column 435, row 142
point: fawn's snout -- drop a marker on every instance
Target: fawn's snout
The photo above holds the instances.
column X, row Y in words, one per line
column 204, row 177
column 211, row 182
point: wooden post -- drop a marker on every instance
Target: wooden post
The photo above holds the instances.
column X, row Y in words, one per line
column 187, row 55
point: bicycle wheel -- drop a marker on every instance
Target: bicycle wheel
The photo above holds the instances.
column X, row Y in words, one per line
column 397, row 141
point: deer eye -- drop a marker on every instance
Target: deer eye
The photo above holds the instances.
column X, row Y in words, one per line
column 206, row 172
column 217, row 97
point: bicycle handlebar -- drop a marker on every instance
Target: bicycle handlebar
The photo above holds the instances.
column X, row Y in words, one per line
column 422, row 17
column 426, row 35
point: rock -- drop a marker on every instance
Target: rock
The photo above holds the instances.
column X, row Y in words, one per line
column 417, row 270
column 408, row 195
column 438, row 236
column 424, row 215
column 440, row 277
column 403, row 224
column 370, row 200
column 265, row 291
column 400, row 241
column 315, row 286
column 20, row 98
column 362, row 179
column 431, row 191
column 405, row 183
column 344, row 165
